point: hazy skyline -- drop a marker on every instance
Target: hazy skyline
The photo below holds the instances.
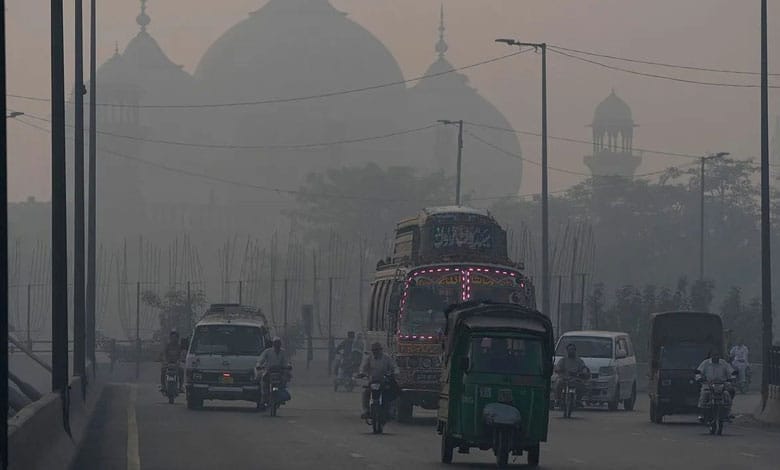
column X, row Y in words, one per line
column 672, row 116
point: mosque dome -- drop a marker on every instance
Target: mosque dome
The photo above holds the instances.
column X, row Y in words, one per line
column 292, row 48
column 487, row 171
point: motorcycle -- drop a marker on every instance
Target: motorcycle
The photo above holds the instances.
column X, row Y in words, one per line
column 743, row 379
column 277, row 388
column 171, row 389
column 344, row 371
column 717, row 408
column 569, row 399
column 380, row 397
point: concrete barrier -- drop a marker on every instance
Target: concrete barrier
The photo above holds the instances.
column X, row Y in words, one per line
column 771, row 413
column 37, row 437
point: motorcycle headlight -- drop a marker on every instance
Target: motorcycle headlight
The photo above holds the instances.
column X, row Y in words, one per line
column 607, row 371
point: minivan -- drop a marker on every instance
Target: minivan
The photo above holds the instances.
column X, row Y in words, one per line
column 610, row 357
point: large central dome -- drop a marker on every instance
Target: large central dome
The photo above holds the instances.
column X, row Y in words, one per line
column 292, row 48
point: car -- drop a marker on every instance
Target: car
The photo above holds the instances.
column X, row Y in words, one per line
column 610, row 357
column 225, row 347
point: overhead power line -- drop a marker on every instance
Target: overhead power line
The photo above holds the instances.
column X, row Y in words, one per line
column 561, row 170
column 291, row 99
column 659, row 64
column 654, row 75
column 579, row 141
column 258, row 147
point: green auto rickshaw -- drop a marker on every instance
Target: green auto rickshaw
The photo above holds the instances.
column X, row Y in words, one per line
column 495, row 381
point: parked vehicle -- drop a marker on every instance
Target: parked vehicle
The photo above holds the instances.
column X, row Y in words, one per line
column 495, row 388
column 226, row 345
column 379, row 403
column 612, row 362
column 679, row 342
column 171, row 382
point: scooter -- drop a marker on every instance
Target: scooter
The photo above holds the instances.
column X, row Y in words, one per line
column 743, row 379
column 171, row 389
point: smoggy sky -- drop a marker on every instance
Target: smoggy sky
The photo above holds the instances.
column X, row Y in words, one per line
column 672, row 116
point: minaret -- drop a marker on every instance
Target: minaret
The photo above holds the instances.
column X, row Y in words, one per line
column 441, row 46
column 613, row 140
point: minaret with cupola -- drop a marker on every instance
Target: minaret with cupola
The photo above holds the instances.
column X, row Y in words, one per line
column 613, row 140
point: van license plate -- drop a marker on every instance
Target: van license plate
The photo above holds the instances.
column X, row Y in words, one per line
column 226, row 380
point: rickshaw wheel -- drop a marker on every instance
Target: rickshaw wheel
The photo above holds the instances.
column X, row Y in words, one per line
column 533, row 456
column 446, row 448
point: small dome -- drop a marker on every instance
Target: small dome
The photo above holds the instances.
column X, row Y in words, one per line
column 613, row 110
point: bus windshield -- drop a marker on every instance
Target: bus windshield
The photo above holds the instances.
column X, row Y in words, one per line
column 426, row 301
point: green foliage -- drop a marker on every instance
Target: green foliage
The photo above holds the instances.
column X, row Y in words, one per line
column 367, row 200
column 176, row 309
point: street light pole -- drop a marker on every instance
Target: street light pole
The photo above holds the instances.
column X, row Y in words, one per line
column 3, row 253
column 545, row 188
column 701, row 211
column 766, row 260
column 59, row 224
column 459, row 123
column 91, row 216
column 79, row 287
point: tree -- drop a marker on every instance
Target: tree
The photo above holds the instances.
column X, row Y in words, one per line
column 367, row 200
column 176, row 309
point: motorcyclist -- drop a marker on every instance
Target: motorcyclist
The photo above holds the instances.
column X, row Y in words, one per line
column 275, row 356
column 375, row 366
column 344, row 350
column 739, row 355
column 714, row 370
column 572, row 367
column 171, row 354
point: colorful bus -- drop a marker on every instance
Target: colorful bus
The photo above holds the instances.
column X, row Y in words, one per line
column 442, row 256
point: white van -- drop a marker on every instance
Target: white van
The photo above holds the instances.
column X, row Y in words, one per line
column 225, row 347
column 610, row 357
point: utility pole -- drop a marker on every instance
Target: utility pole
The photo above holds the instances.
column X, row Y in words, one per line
column 59, row 223
column 91, row 222
column 545, row 187
column 701, row 211
column 79, row 307
column 766, row 260
column 458, row 173
column 240, row 292
column 286, row 282
column 29, row 311
column 3, row 253
column 137, row 330
column 330, row 324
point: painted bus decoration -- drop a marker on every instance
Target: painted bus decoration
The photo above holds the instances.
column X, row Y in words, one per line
column 442, row 256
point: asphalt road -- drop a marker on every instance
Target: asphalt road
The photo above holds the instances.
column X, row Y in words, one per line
column 135, row 428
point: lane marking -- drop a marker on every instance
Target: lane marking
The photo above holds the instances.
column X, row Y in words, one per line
column 133, row 454
column 355, row 456
column 754, row 456
column 577, row 461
